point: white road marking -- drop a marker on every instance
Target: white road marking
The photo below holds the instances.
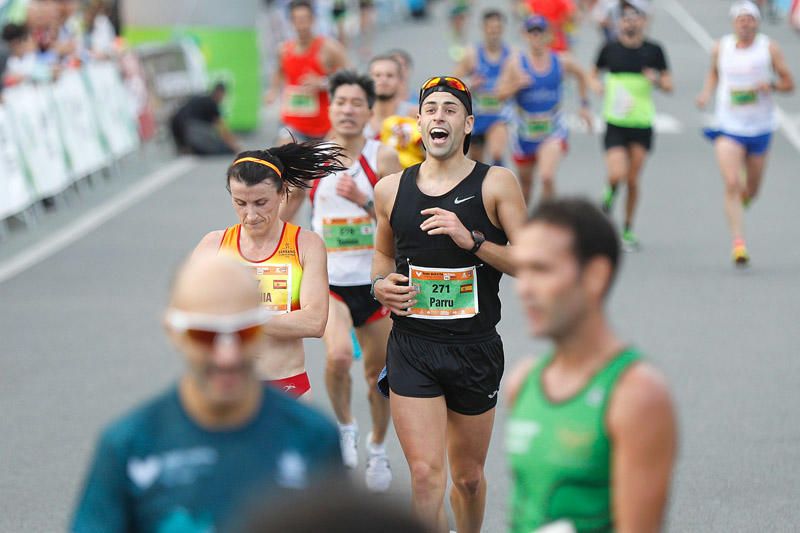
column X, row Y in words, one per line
column 93, row 219
column 706, row 42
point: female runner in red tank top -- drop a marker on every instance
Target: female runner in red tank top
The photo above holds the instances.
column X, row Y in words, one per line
column 288, row 263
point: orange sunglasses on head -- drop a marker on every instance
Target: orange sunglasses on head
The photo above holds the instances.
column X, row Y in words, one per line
column 453, row 83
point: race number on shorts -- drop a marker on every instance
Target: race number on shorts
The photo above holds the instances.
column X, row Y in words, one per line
column 444, row 293
column 275, row 286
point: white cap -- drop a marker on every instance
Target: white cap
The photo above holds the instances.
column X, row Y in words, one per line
column 642, row 6
column 745, row 7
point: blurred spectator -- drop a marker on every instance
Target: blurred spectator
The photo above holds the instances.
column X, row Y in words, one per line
column 99, row 36
column 197, row 126
column 333, row 508
column 23, row 60
column 69, row 45
column 43, row 23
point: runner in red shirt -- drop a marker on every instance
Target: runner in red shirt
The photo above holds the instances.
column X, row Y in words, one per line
column 559, row 13
column 301, row 78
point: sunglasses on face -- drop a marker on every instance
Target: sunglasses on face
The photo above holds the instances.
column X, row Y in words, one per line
column 535, row 29
column 207, row 329
column 453, row 83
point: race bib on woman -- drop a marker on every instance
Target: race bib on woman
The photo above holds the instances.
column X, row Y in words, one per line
column 275, row 286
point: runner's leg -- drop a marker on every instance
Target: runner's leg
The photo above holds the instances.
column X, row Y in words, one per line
column 525, row 173
column 468, row 439
column 617, row 167
column 339, row 359
column 497, row 142
column 637, row 156
column 731, row 160
column 755, row 165
column 550, row 153
column 421, row 425
column 373, row 337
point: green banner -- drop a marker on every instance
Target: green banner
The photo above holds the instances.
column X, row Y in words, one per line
column 231, row 56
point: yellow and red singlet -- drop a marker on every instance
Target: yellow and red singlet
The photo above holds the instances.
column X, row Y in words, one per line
column 279, row 276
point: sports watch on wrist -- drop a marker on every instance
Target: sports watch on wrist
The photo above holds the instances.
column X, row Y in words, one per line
column 369, row 205
column 372, row 287
column 478, row 238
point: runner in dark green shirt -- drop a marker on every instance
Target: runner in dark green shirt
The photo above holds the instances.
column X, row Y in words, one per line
column 591, row 437
column 187, row 460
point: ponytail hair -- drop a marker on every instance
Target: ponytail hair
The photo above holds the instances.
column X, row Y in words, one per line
column 293, row 164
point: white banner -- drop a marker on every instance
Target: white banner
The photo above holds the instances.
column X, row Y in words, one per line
column 115, row 108
column 79, row 128
column 38, row 139
column 15, row 190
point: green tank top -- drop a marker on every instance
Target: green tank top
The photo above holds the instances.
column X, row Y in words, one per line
column 560, row 453
column 629, row 100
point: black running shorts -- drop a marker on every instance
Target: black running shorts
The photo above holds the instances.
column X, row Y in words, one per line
column 363, row 307
column 619, row 136
column 467, row 374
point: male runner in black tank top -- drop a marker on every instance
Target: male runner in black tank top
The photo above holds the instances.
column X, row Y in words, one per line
column 440, row 250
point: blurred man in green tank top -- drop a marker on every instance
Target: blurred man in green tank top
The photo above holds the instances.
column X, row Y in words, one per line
column 592, row 436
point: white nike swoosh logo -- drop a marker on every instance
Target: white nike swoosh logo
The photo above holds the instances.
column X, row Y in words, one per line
column 492, row 395
column 462, row 200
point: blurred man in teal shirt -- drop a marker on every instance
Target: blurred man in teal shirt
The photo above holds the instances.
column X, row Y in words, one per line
column 191, row 458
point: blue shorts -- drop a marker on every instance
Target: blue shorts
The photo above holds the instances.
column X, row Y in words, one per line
column 525, row 151
column 756, row 145
column 483, row 123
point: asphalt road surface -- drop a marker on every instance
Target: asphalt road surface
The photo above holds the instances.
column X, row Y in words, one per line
column 81, row 339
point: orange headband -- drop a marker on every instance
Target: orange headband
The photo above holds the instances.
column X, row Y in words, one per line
column 260, row 162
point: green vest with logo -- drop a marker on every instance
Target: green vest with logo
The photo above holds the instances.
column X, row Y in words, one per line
column 560, row 453
column 628, row 100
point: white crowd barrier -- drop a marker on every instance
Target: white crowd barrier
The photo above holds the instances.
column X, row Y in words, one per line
column 52, row 135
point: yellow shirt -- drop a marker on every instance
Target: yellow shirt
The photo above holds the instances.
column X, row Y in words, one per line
column 279, row 276
column 411, row 152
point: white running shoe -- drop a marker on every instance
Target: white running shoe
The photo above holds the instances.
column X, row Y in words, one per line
column 348, row 440
column 378, row 472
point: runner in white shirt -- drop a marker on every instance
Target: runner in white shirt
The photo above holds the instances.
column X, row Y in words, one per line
column 343, row 214
column 743, row 67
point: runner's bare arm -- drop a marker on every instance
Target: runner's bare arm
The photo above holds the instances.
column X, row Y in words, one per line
column 291, row 204
column 513, row 384
column 642, row 427
column 275, row 83
column 312, row 317
column 573, row 68
column 508, row 81
column 388, row 162
column 505, row 207
column 712, row 78
column 392, row 291
column 334, row 55
column 209, row 244
column 785, row 83
column 466, row 66
column 665, row 81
